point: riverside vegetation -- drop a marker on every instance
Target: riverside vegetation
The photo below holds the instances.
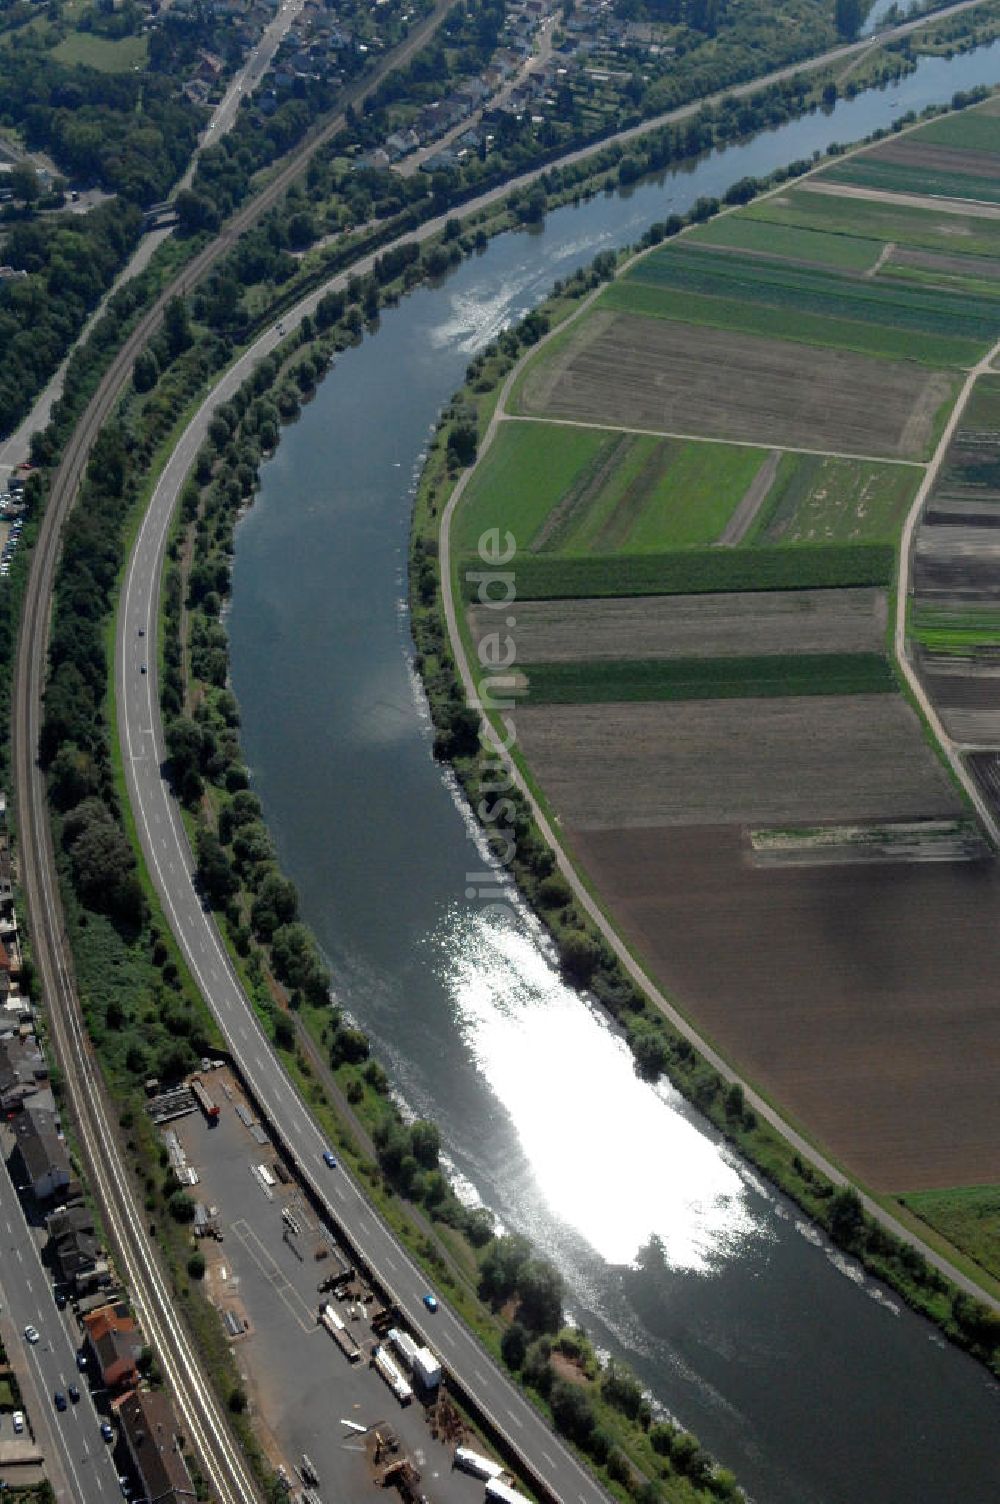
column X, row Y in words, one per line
column 115, row 928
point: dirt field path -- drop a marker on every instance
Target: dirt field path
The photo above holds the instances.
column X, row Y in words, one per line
column 694, row 438
column 759, row 488
column 973, row 208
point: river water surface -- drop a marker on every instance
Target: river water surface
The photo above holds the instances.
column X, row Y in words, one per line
column 793, row 1367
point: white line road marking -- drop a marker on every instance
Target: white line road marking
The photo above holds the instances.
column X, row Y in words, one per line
column 517, row 1422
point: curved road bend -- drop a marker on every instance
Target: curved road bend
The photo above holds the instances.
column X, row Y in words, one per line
column 582, row 894
column 168, row 856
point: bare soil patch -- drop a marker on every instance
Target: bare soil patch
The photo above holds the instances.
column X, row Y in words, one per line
column 931, row 261
column 952, row 159
column 733, row 625
column 776, row 761
column 739, row 523
column 862, row 998
column 647, row 373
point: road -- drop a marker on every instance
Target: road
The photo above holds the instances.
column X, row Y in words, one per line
column 77, row 1462
column 171, row 865
column 245, row 81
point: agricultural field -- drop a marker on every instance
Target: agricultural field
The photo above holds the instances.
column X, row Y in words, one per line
column 909, row 166
column 738, row 232
column 675, row 378
column 862, row 998
column 968, row 1216
column 694, row 626
column 810, row 304
column 930, row 226
column 820, row 499
column 577, row 491
column 708, row 502
column 695, row 571
column 744, row 677
column 795, row 760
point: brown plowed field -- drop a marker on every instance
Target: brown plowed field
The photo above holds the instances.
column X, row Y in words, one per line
column 635, row 372
column 962, row 266
column 864, row 999
column 800, row 760
column 694, row 626
column 980, row 164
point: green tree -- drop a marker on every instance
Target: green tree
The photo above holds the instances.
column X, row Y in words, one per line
column 848, row 15
column 572, row 1411
column 215, row 875
column 425, row 1141
column 514, row 1346
column 540, row 1296
column 145, row 371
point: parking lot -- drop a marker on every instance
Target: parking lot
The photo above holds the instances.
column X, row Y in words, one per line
column 264, row 1276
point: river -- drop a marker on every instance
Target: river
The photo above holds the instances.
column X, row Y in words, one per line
column 794, row 1368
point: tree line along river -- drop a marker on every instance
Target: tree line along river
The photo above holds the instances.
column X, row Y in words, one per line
column 794, row 1368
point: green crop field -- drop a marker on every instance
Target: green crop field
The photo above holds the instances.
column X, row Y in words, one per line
column 899, row 177
column 698, row 571
column 954, row 629
column 747, row 317
column 763, row 677
column 570, row 491
column 929, row 229
column 812, row 290
column 967, row 130
column 982, row 412
column 102, row 53
column 842, row 252
column 969, row 1217
column 528, row 467
column 822, row 499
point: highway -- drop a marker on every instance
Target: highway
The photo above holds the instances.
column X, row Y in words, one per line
column 78, row 1462
column 171, row 866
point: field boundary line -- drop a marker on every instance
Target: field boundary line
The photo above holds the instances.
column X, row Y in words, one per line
column 700, row 438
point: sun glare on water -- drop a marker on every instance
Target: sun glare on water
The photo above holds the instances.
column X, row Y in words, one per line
column 613, row 1157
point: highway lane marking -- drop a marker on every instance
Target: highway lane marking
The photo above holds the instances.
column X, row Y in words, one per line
column 548, row 1459
column 518, row 1422
column 448, row 1337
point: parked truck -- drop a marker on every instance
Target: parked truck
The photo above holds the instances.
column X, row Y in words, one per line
column 468, row 1461
column 334, row 1324
column 392, row 1374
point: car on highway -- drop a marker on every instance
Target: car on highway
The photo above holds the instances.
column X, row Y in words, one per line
column 81, row 1361
column 60, row 1400
column 107, row 1431
column 31, row 1333
column 61, row 1299
column 142, row 668
column 430, row 1301
column 329, row 1159
column 74, row 1394
column 18, row 1421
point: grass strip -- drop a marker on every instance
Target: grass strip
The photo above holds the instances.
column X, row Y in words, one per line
column 696, row 571
column 762, row 677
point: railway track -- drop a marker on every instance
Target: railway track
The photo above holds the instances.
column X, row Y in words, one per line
column 91, row 1108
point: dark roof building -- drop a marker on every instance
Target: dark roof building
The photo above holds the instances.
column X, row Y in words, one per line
column 150, row 1431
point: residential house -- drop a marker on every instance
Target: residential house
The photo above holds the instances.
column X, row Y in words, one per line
column 39, row 1159
column 149, row 1430
column 76, row 1253
column 113, row 1345
column 22, row 1064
